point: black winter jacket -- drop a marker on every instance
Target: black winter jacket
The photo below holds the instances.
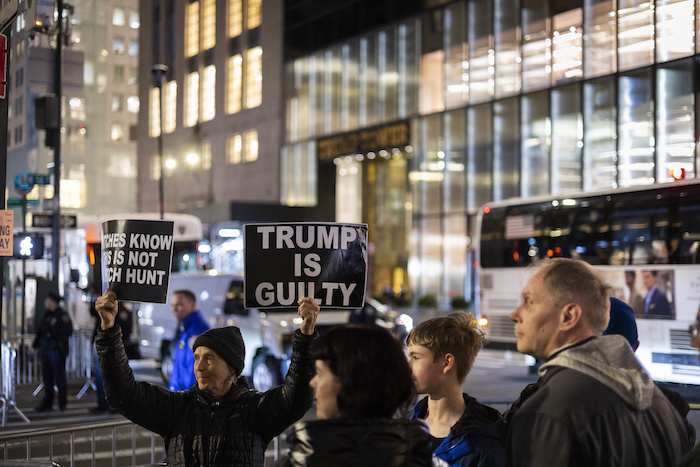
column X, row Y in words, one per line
column 359, row 443
column 594, row 405
column 198, row 429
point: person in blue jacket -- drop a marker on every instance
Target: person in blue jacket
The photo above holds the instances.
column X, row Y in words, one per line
column 441, row 352
column 190, row 325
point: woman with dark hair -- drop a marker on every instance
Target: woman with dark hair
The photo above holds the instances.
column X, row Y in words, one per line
column 362, row 383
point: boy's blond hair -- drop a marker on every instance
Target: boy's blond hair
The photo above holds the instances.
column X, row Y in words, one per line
column 456, row 333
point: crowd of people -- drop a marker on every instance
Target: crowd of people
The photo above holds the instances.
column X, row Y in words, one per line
column 593, row 405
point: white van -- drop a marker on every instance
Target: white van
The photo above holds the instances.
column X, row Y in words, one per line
column 267, row 333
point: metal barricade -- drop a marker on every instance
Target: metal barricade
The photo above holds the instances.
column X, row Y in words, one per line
column 8, row 355
column 21, row 366
column 96, row 444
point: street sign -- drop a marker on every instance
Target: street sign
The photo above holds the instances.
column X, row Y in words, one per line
column 42, row 179
column 18, row 202
column 24, row 182
column 46, row 220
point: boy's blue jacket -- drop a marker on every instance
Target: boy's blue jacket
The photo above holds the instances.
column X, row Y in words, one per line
column 476, row 440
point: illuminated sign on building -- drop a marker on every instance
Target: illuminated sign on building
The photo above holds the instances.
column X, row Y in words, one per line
column 386, row 137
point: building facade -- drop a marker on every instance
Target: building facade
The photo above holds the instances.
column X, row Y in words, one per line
column 221, row 105
column 414, row 125
column 100, row 103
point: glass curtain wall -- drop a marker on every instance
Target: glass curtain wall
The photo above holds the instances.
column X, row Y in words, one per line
column 505, row 98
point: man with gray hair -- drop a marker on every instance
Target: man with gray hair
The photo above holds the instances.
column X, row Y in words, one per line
column 594, row 404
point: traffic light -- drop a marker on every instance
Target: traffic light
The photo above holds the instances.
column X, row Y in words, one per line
column 28, row 246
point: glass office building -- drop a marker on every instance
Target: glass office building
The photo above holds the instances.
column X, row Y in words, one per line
column 414, row 126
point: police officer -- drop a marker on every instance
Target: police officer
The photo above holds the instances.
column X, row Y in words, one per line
column 52, row 342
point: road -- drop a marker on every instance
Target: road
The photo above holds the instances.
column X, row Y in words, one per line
column 497, row 378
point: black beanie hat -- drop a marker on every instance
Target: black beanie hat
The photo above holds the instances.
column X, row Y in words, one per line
column 227, row 342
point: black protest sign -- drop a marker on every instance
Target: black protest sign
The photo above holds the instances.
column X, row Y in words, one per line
column 286, row 262
column 136, row 258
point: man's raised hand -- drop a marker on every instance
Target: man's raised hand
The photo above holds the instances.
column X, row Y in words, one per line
column 308, row 310
column 106, row 306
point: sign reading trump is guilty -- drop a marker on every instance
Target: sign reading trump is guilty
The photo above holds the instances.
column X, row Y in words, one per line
column 136, row 259
column 289, row 261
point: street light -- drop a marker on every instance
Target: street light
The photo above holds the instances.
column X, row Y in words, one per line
column 159, row 71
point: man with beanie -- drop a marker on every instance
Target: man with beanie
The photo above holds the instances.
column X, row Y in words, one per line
column 220, row 421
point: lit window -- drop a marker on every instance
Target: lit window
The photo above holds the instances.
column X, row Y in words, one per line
column 235, row 18
column 192, row 28
column 208, row 24
column 154, row 111
column 117, row 133
column 118, row 17
column 209, row 93
column 118, row 46
column 206, row 156
column 133, row 104
column 134, row 48
column 170, row 110
column 253, row 97
column 251, row 145
column 133, row 75
column 254, row 13
column 192, row 99
column 134, row 20
column 235, row 83
column 117, row 103
column 155, row 167
column 235, row 149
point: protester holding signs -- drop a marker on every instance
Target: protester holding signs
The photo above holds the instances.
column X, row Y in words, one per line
column 220, row 421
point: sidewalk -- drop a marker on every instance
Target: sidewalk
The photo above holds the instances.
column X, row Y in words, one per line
column 77, row 410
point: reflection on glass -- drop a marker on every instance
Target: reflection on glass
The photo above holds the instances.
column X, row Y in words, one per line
column 479, row 156
column 298, row 169
column 316, row 95
column 333, row 72
column 409, row 68
column 635, row 34
column 506, row 149
column 567, row 51
column 601, row 30
column 536, row 45
column 429, row 173
column 455, row 255
column 456, row 64
column 368, row 81
column 430, row 254
column 675, row 29
column 431, row 82
column 348, row 190
column 481, row 54
column 535, row 135
column 350, row 86
column 388, row 75
column 636, row 129
column 506, row 29
column 675, row 121
column 455, row 149
column 599, row 138
column 567, row 139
